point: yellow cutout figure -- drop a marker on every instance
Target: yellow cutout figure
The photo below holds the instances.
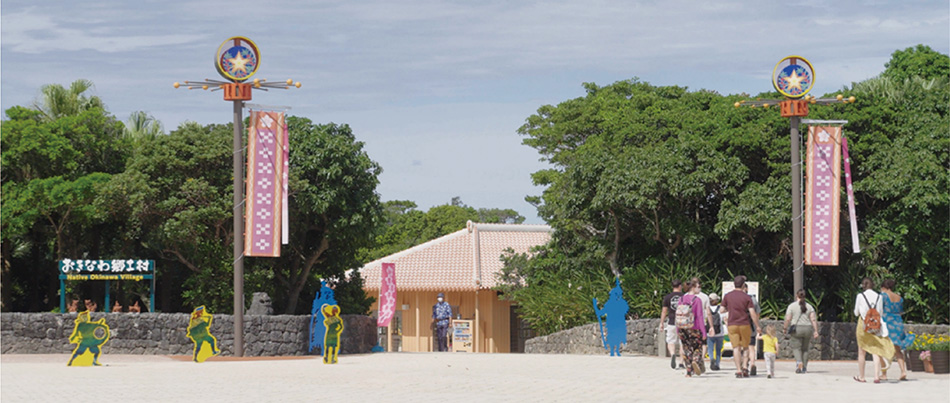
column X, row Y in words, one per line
column 89, row 337
column 199, row 327
column 331, row 340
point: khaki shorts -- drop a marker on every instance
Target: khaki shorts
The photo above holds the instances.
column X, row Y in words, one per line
column 740, row 336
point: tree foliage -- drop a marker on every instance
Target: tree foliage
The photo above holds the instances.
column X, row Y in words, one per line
column 648, row 183
column 405, row 226
column 78, row 183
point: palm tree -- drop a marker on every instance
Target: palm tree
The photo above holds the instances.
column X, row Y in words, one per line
column 57, row 101
column 143, row 126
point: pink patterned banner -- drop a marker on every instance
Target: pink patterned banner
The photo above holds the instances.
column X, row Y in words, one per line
column 852, row 215
column 387, row 295
column 264, row 199
column 822, row 195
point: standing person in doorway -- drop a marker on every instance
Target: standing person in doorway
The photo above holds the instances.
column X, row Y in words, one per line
column 441, row 314
column 715, row 334
column 741, row 314
column 800, row 316
column 670, row 301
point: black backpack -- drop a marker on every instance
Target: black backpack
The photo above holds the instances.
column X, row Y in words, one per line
column 717, row 320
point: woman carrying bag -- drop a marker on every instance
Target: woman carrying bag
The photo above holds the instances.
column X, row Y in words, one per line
column 804, row 327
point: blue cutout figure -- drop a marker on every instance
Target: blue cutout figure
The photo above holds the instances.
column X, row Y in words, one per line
column 317, row 329
column 616, row 311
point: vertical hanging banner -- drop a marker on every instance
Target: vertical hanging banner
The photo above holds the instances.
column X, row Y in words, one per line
column 263, row 199
column 285, row 208
column 822, row 195
column 852, row 215
column 387, row 295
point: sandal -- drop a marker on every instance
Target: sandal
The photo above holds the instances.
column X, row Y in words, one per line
column 878, row 381
column 858, row 379
column 902, row 378
column 738, row 374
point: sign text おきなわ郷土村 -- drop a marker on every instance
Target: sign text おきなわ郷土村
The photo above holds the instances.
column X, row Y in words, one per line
column 114, row 266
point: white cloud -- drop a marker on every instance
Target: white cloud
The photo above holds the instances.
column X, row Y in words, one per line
column 33, row 31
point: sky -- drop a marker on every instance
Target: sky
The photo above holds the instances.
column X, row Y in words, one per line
column 438, row 89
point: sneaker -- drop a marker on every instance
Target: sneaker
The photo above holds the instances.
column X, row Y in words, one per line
column 714, row 367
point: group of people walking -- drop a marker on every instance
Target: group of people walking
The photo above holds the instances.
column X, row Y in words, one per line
column 698, row 323
column 880, row 329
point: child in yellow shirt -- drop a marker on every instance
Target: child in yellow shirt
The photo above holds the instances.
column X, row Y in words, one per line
column 770, row 348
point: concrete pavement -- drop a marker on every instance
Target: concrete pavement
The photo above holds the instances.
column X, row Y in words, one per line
column 439, row 377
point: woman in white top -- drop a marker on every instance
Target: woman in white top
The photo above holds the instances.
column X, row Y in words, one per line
column 880, row 346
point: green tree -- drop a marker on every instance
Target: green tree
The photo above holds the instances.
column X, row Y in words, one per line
column 917, row 61
column 405, row 227
column 142, row 125
column 52, row 169
column 334, row 210
column 645, row 179
column 56, row 101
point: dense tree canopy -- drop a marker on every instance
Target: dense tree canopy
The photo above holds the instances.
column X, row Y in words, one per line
column 79, row 183
column 649, row 183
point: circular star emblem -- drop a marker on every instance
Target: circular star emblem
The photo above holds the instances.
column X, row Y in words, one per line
column 237, row 59
column 793, row 76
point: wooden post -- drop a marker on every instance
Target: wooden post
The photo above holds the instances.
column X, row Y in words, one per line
column 418, row 329
column 478, row 323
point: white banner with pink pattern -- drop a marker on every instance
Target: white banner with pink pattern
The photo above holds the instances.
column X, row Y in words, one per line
column 822, row 195
column 265, row 187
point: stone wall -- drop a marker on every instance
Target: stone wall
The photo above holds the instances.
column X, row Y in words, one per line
column 164, row 333
column 835, row 340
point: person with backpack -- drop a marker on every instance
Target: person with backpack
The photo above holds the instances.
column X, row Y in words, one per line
column 871, row 332
column 715, row 333
column 691, row 329
column 801, row 326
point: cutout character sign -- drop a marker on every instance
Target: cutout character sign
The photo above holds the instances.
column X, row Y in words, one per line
column 334, row 325
column 89, row 337
column 615, row 309
column 199, row 331
column 317, row 328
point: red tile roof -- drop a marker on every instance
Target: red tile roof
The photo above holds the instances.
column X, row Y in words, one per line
column 449, row 263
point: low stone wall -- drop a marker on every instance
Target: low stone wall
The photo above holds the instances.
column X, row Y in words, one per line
column 164, row 333
column 835, row 340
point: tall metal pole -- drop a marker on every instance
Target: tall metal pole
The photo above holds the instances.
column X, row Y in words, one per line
column 238, row 229
column 797, row 240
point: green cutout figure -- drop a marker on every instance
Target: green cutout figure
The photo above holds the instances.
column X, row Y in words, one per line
column 331, row 341
column 87, row 341
column 199, row 332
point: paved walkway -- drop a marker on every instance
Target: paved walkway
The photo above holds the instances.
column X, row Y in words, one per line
column 434, row 377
